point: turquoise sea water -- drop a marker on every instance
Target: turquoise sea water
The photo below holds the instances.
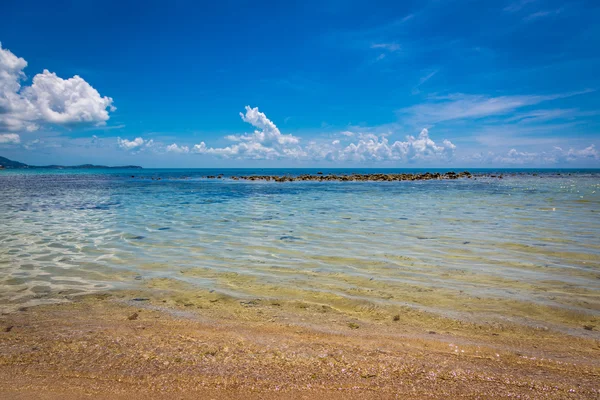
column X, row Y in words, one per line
column 524, row 248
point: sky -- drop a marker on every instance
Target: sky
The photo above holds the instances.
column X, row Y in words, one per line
column 455, row 83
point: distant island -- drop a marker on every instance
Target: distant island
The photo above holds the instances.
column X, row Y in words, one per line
column 5, row 163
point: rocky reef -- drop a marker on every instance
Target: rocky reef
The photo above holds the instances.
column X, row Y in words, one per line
column 377, row 177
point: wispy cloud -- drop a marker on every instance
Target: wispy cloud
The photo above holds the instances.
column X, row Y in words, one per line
column 518, row 5
column 466, row 106
column 392, row 47
column 530, row 135
column 542, row 14
column 407, row 18
column 388, row 48
column 553, row 156
column 425, row 78
column 382, row 36
column 551, row 114
column 106, row 128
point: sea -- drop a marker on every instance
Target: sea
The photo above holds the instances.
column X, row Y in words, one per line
column 523, row 248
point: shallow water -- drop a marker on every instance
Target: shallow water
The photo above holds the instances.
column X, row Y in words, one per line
column 524, row 248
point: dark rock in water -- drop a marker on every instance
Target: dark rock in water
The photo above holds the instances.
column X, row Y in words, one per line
column 290, row 238
column 138, row 237
column 133, row 316
column 164, row 229
column 138, row 278
column 466, row 242
column 354, row 177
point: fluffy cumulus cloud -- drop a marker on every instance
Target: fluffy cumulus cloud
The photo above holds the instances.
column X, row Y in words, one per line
column 268, row 143
column 9, row 138
column 370, row 147
column 136, row 144
column 265, row 143
column 50, row 99
column 174, row 148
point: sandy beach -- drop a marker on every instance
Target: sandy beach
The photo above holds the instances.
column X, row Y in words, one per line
column 299, row 200
column 120, row 345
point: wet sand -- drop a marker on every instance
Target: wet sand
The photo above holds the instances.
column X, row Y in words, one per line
column 130, row 345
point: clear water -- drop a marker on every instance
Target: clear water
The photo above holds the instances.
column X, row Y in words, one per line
column 526, row 247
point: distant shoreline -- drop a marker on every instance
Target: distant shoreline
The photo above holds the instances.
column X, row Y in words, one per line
column 5, row 163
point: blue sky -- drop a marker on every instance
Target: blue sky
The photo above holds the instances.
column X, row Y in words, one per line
column 328, row 83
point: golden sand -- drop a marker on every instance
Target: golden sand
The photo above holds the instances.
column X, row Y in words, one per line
column 111, row 346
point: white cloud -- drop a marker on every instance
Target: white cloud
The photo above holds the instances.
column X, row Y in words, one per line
column 518, row 5
column 9, row 138
column 32, row 144
column 589, row 152
column 518, row 157
column 377, row 148
column 267, row 142
column 68, row 101
column 49, row 100
column 135, row 144
column 408, row 17
column 465, row 106
column 173, row 148
column 542, row 14
column 557, row 155
column 449, row 144
column 269, row 133
column 428, row 76
column 392, row 47
column 542, row 115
